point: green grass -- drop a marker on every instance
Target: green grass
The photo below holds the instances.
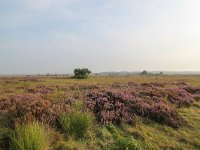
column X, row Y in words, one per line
column 157, row 136
column 70, row 145
column 32, row 136
column 76, row 123
column 121, row 141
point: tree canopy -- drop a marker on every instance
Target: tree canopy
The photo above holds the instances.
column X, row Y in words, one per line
column 144, row 72
column 81, row 73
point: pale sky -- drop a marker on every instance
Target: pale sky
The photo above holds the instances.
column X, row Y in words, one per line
column 56, row 36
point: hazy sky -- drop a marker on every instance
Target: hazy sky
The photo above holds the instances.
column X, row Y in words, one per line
column 55, row 36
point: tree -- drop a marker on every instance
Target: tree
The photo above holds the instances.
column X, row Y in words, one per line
column 144, row 72
column 81, row 73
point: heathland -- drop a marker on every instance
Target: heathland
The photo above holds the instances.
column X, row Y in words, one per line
column 133, row 112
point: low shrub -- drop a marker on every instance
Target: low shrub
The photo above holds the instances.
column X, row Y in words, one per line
column 40, row 90
column 115, row 106
column 75, row 123
column 164, row 114
column 30, row 107
column 195, row 91
column 33, row 136
column 192, row 89
column 180, row 97
column 159, row 112
column 110, row 106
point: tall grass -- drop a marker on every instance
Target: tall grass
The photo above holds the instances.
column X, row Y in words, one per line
column 32, row 136
column 75, row 123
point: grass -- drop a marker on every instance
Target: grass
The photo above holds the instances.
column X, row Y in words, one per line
column 70, row 145
column 157, row 136
column 82, row 132
column 32, row 136
column 122, row 142
column 76, row 123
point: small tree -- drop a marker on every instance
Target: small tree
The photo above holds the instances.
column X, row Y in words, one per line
column 81, row 73
column 144, row 72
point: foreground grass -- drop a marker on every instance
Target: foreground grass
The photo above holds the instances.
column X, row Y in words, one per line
column 32, row 136
column 76, row 123
column 157, row 136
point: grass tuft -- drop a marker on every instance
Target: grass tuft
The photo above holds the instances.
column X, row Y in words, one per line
column 32, row 136
column 75, row 123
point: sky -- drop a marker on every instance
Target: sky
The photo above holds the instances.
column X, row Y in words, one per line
column 56, row 36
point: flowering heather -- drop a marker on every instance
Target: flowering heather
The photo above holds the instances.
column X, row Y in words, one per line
column 32, row 79
column 109, row 103
column 154, row 84
column 195, row 91
column 156, row 95
column 114, row 106
column 29, row 107
column 110, row 106
column 159, row 112
column 40, row 90
column 180, row 97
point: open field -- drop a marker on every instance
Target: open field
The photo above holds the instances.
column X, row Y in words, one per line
column 134, row 112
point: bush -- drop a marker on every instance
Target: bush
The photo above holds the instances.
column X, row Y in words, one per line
column 81, row 73
column 180, row 97
column 75, row 123
column 195, row 91
column 144, row 72
column 33, row 136
column 115, row 106
column 30, row 107
column 159, row 112
column 110, row 106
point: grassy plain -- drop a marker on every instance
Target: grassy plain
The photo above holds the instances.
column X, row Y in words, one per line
column 146, row 134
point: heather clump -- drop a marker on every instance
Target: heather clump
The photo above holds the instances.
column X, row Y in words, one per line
column 195, row 91
column 180, row 97
column 154, row 84
column 40, row 90
column 115, row 106
column 159, row 112
column 110, row 106
column 30, row 79
column 29, row 107
column 152, row 94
